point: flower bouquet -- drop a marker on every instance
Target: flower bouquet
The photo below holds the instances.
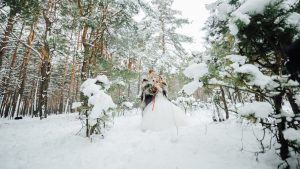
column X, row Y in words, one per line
column 151, row 89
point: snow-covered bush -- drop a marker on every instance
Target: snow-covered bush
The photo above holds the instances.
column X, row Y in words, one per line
column 99, row 103
column 186, row 103
column 126, row 106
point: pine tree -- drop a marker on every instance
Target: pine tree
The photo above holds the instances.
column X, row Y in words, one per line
column 163, row 42
column 258, row 36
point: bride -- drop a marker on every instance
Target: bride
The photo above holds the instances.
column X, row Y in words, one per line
column 158, row 112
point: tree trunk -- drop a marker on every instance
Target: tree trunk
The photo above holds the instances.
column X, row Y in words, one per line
column 140, row 76
column 5, row 108
column 45, row 79
column 163, row 36
column 84, row 76
column 4, row 103
column 61, row 103
column 230, row 96
column 292, row 102
column 23, row 71
column 128, row 90
column 284, row 148
column 85, row 66
column 6, row 79
column 29, row 100
column 71, row 83
column 224, row 102
column 46, row 64
column 5, row 37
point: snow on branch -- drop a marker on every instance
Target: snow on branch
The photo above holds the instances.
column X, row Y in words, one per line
column 194, row 71
column 191, row 87
column 76, row 105
column 243, row 13
column 129, row 105
column 256, row 77
column 291, row 134
column 237, row 59
column 293, row 20
column 257, row 109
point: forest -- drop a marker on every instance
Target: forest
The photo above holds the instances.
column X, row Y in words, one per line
column 87, row 59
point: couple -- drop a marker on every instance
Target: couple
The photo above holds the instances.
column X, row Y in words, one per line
column 158, row 112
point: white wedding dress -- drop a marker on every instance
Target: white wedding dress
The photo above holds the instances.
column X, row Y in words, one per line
column 162, row 114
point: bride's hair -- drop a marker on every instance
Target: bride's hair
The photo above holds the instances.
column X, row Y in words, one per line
column 152, row 74
column 151, row 71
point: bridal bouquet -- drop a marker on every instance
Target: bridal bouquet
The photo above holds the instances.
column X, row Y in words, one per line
column 151, row 89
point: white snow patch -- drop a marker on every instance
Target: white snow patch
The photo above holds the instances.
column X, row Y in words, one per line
column 258, row 109
column 297, row 100
column 237, row 59
column 234, row 30
column 223, row 10
column 256, row 78
column 128, row 104
column 76, row 105
column 101, row 102
column 245, row 18
column 244, row 12
column 120, row 82
column 191, row 87
column 104, row 80
column 196, row 70
column 51, row 143
column 293, row 20
column 288, row 4
column 89, row 88
column 253, row 7
column 97, row 98
column 291, row 134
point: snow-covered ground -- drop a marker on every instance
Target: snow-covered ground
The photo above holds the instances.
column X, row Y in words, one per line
column 52, row 144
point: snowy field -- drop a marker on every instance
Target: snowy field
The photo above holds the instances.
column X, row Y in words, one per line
column 52, row 144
